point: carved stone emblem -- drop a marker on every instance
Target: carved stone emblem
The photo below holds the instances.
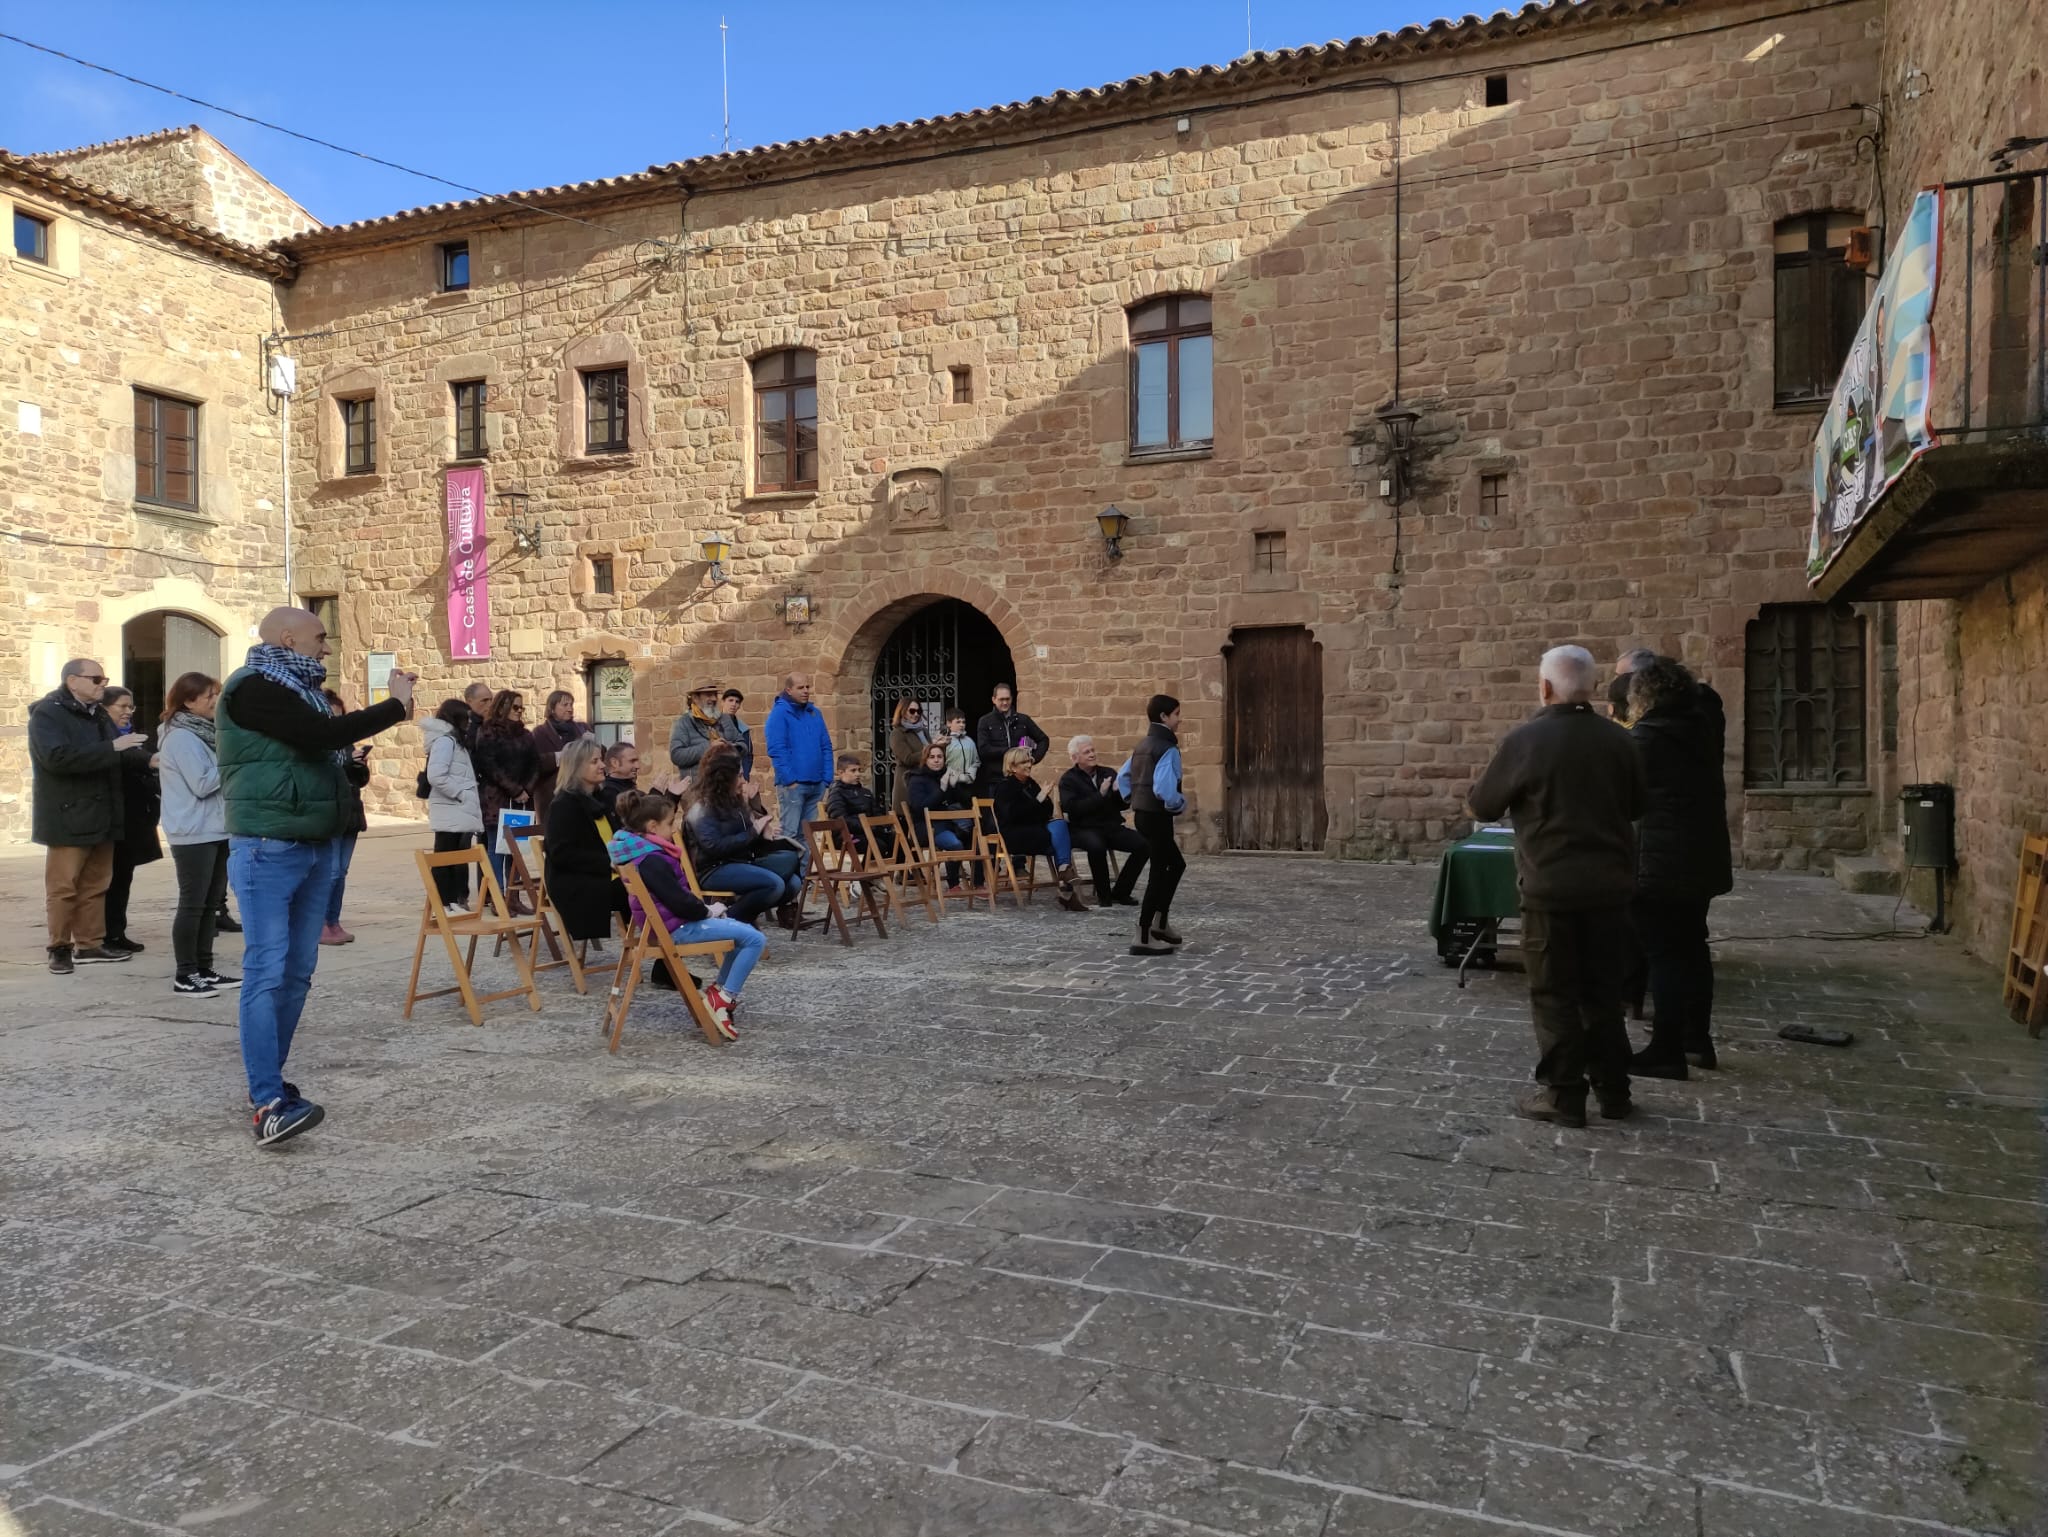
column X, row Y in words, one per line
column 917, row 498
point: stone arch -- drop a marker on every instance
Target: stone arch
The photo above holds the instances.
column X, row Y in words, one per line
column 177, row 595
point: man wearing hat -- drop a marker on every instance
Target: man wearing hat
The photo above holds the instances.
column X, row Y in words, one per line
column 695, row 730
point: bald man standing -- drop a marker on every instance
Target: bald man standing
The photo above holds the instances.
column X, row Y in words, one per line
column 282, row 760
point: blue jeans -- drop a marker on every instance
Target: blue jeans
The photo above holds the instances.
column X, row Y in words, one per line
column 1062, row 842
column 281, row 886
column 747, row 944
column 754, row 888
column 799, row 801
column 948, row 841
column 344, row 851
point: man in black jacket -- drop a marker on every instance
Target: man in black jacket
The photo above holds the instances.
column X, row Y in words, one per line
column 1000, row 730
column 1574, row 786
column 76, row 753
column 1095, row 815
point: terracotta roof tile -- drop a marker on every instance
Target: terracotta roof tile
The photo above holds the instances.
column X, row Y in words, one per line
column 36, row 172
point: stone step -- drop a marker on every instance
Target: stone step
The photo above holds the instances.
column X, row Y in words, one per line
column 1865, row 875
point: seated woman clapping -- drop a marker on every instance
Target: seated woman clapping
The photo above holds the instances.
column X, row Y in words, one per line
column 648, row 842
column 925, row 792
column 1024, row 815
column 729, row 844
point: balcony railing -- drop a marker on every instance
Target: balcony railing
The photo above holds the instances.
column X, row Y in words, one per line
column 1930, row 470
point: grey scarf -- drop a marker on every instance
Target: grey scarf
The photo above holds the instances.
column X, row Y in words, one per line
column 198, row 725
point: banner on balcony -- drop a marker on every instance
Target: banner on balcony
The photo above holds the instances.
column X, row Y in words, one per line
column 1876, row 424
column 469, row 593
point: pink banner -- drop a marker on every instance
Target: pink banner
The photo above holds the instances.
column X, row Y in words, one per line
column 469, row 594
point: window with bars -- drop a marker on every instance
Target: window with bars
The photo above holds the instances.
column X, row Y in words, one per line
column 1269, row 554
column 1818, row 305
column 1493, row 495
column 359, row 436
column 1172, row 406
column 602, row 578
column 31, row 237
column 786, row 421
column 963, row 384
column 454, row 266
column 166, row 450
column 604, row 411
column 1803, row 705
column 471, row 441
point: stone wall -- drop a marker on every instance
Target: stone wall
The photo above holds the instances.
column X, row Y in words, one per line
column 1973, row 674
column 190, row 174
column 117, row 309
column 1587, row 279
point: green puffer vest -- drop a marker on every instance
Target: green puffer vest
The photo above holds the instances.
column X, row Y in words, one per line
column 271, row 790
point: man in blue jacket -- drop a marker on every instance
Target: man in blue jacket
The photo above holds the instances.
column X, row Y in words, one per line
column 800, row 747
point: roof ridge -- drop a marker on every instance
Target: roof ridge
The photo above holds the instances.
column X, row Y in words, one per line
column 154, row 136
column 35, row 171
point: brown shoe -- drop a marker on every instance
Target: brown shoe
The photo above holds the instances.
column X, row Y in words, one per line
column 1546, row 1104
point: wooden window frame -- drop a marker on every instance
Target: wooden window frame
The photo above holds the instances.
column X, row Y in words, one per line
column 1493, row 495
column 1804, row 727
column 607, row 427
column 41, row 254
column 1269, row 552
column 1172, row 334
column 801, row 373
column 151, row 465
column 961, row 378
column 1828, row 336
column 472, row 434
column 450, row 251
column 358, row 434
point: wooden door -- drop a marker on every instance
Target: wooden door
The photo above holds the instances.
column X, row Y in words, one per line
column 1273, row 740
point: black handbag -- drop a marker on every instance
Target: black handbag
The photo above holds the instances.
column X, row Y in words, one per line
column 422, row 787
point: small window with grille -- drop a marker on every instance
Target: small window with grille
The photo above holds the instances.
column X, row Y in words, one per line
column 601, row 575
column 1803, row 699
column 1269, row 554
column 1493, row 495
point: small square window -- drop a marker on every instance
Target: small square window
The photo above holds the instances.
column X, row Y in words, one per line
column 601, row 576
column 1269, row 554
column 1493, row 495
column 963, row 385
column 471, row 441
column 359, row 436
column 455, row 265
column 31, row 238
column 1496, row 90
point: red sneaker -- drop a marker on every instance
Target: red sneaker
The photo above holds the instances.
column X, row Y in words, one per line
column 721, row 1011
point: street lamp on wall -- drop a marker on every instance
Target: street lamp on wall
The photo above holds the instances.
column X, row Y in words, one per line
column 1114, row 526
column 717, row 549
column 1397, row 430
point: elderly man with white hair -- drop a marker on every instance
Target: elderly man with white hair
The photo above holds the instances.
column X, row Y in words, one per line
column 1573, row 784
column 1095, row 814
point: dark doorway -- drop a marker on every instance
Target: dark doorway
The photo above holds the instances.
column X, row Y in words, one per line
column 1273, row 740
column 945, row 656
column 160, row 646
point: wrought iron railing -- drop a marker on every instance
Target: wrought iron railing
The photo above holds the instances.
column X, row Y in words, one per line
column 1991, row 313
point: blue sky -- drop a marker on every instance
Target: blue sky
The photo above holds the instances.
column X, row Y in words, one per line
column 569, row 92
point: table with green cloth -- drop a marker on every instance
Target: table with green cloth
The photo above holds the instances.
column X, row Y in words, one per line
column 1475, row 889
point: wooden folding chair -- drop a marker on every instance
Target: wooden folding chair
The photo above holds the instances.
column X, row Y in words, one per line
column 2026, row 958
column 526, row 871
column 968, row 825
column 690, row 879
column 907, row 872
column 834, row 867
column 647, row 939
column 491, row 920
column 1001, row 867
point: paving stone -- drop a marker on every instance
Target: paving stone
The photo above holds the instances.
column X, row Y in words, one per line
column 1713, row 1318
column 1198, row 1418
column 968, row 1300
column 1358, row 1515
column 509, row 1500
column 1243, row 1349
column 373, row 1387
column 911, row 1429
column 55, row 1518
column 535, row 1289
column 188, row 1348
column 625, row 1244
column 44, row 1311
column 909, row 1194
column 1212, row 1495
column 959, row 1243
column 985, row 1374
column 1076, row 1220
column 819, row 1221
column 1427, row 1322
column 790, row 1334
column 1039, row 1456
column 461, row 1334
column 549, row 1428
column 1580, row 1494
column 1392, row 1456
column 650, row 1309
column 1979, row 1363
column 61, row 1406
column 1750, row 1513
column 1930, row 1481
column 702, row 1381
column 1838, row 1396
column 1378, row 1376
column 862, row 1497
column 733, row 1472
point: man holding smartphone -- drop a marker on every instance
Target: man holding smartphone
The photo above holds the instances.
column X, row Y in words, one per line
column 283, row 761
column 76, row 750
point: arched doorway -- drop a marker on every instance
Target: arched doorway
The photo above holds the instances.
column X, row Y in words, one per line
column 946, row 655
column 157, row 647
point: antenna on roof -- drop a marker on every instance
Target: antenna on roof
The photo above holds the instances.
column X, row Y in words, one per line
column 1247, row 28
column 725, row 87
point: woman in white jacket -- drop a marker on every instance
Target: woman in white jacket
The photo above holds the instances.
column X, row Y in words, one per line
column 194, row 821
column 454, row 810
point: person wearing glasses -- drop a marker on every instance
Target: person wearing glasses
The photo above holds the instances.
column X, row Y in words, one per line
column 507, row 771
column 908, row 737
column 77, row 753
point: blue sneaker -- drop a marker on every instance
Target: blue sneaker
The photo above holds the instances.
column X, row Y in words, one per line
column 283, row 1119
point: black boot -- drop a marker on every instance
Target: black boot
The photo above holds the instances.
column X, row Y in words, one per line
column 1147, row 945
column 1650, row 1062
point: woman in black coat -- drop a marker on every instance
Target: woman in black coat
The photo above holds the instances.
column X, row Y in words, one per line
column 141, row 805
column 1024, row 814
column 1682, row 859
column 581, row 882
column 507, row 772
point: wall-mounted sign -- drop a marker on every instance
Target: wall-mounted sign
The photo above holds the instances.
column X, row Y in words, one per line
column 796, row 609
column 1876, row 424
column 379, row 680
column 611, row 693
column 469, row 594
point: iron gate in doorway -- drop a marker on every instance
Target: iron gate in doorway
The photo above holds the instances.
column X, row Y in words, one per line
column 948, row 654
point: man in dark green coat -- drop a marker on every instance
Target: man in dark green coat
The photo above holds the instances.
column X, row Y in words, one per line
column 76, row 752
column 283, row 755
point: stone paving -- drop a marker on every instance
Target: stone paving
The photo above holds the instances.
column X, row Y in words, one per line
column 992, row 1229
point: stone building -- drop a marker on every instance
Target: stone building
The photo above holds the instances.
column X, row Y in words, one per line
column 139, row 455
column 1400, row 360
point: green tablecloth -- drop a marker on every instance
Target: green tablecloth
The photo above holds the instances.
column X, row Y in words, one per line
column 1475, row 881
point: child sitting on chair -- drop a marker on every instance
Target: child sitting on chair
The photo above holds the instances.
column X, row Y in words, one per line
column 851, row 800
column 647, row 839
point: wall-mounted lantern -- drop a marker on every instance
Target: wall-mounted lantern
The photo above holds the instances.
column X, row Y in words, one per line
column 717, row 549
column 525, row 532
column 1114, row 526
column 1397, row 430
